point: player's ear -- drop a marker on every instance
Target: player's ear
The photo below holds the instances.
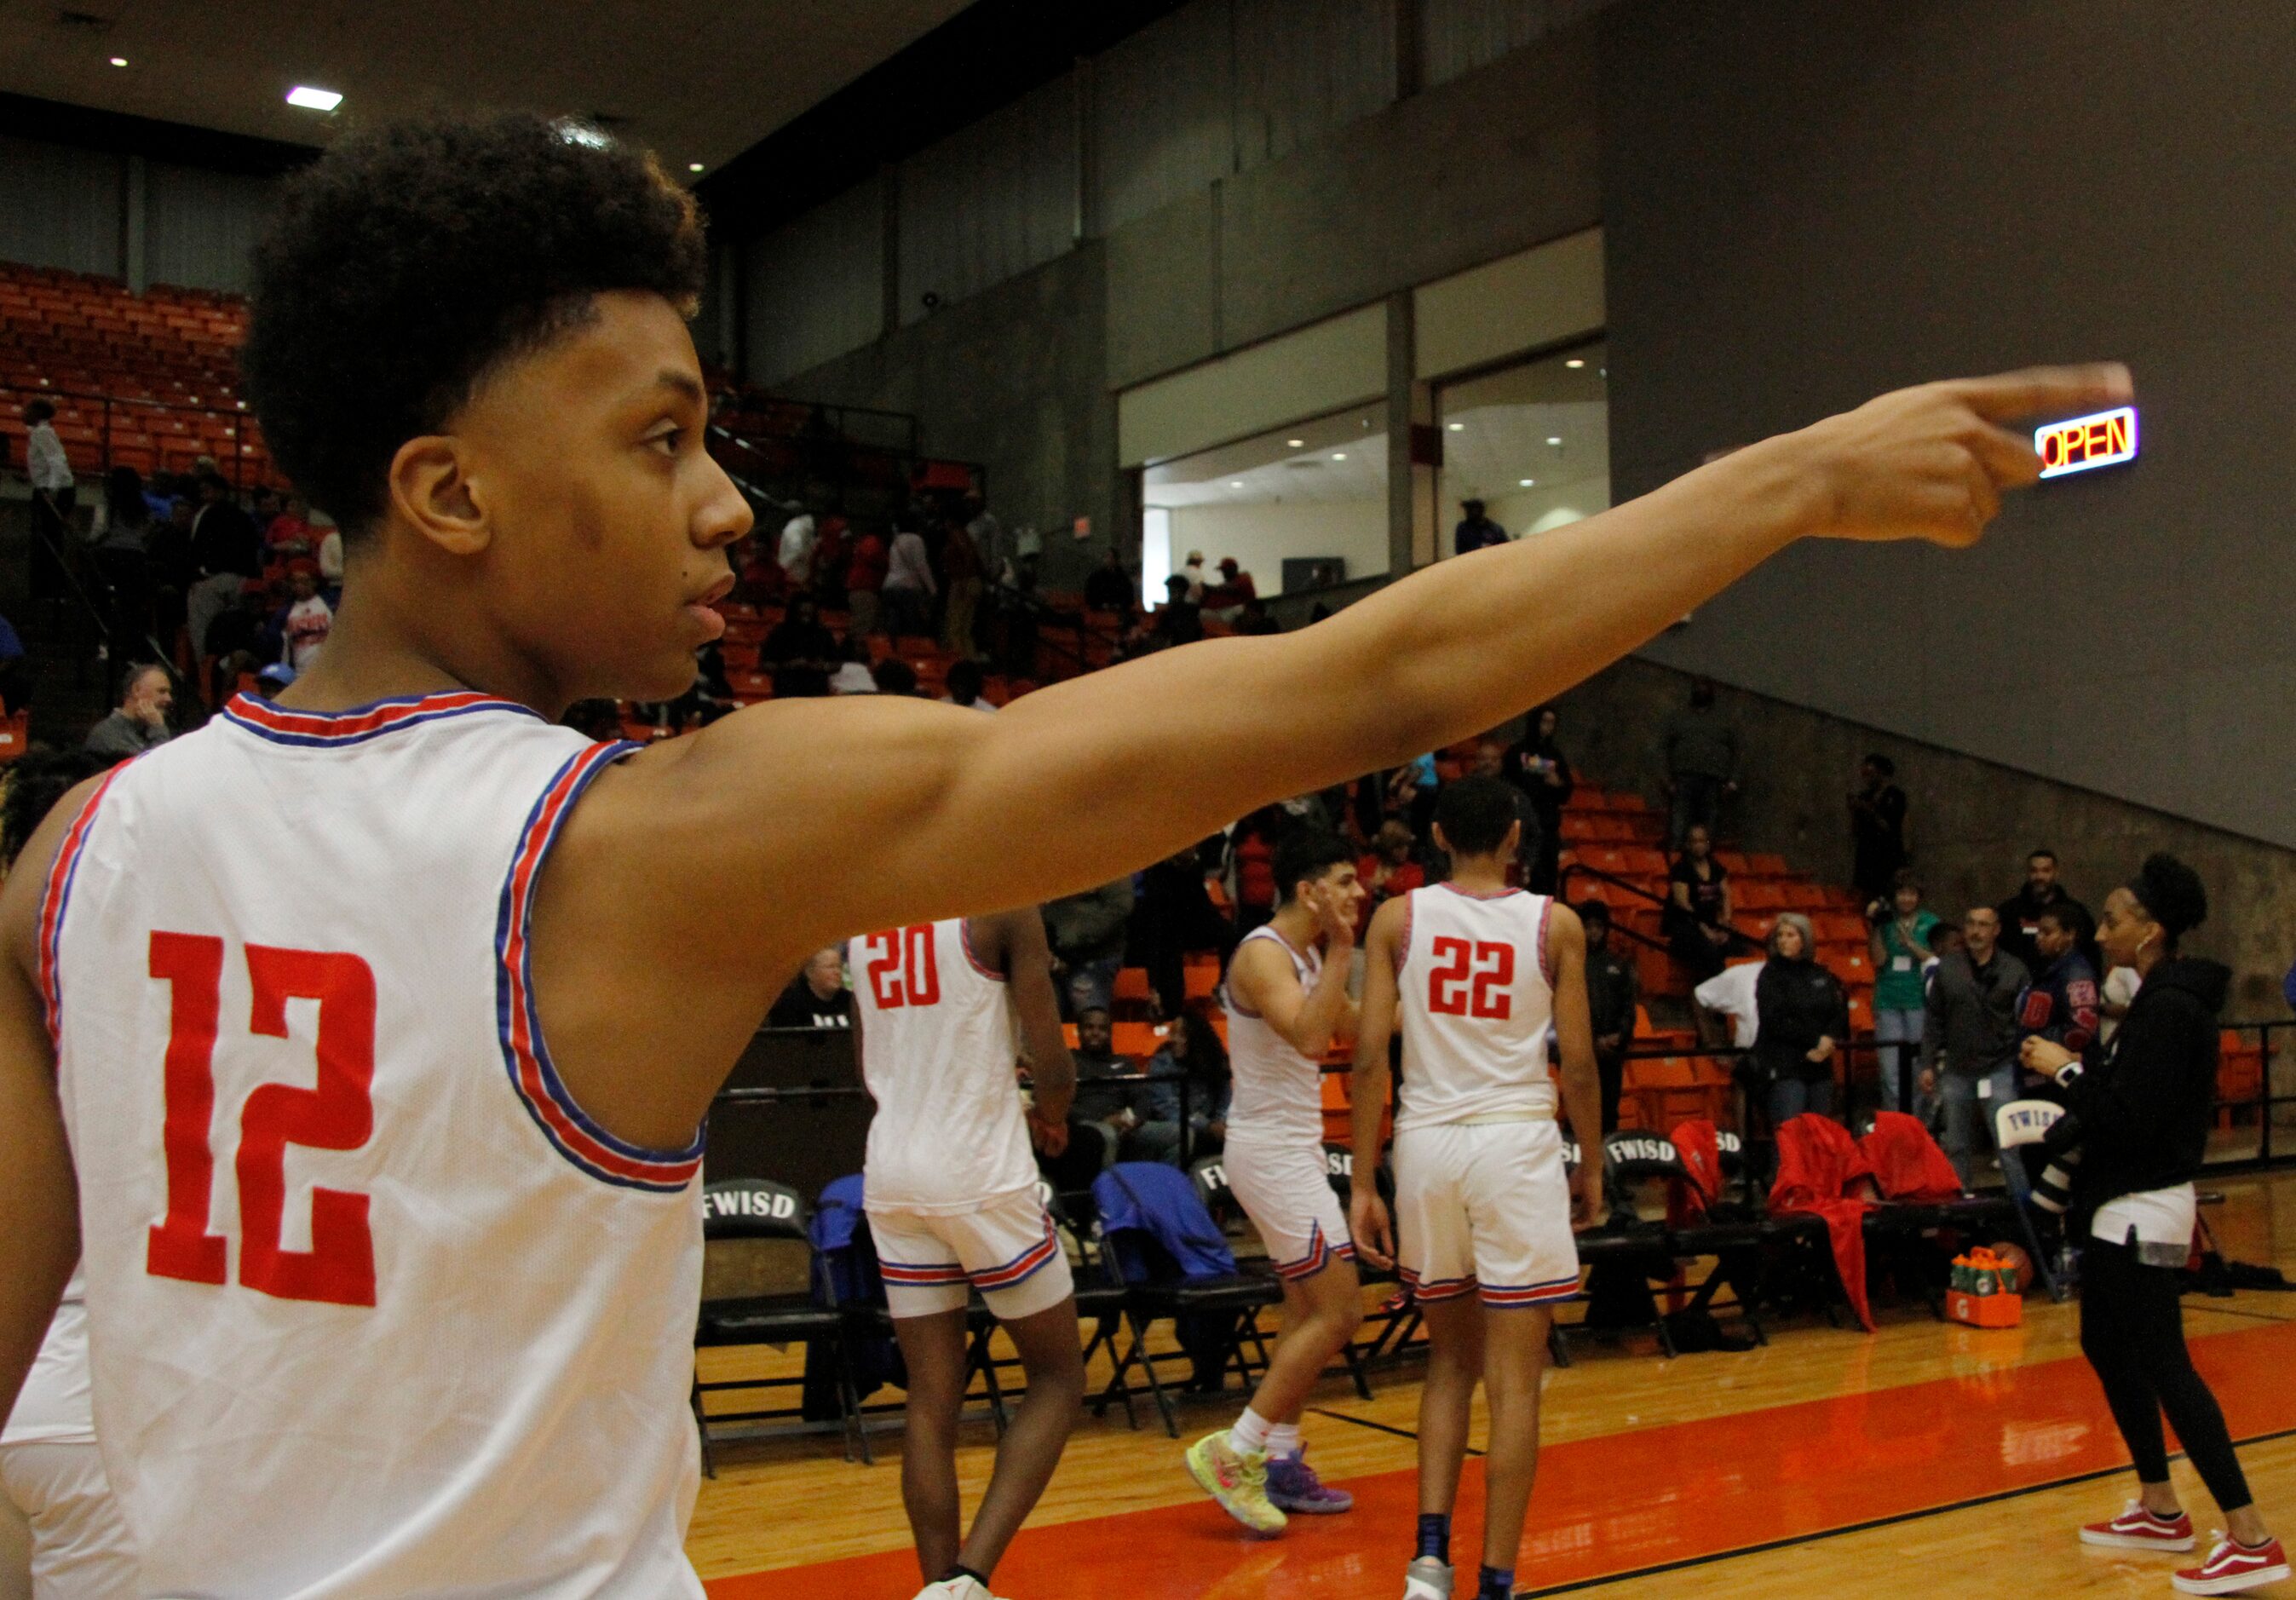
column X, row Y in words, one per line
column 1513, row 845
column 431, row 490
column 1441, row 843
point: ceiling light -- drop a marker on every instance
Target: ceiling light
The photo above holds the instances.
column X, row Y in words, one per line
column 313, row 100
column 693, row 166
column 119, row 61
column 1295, row 443
column 1528, row 482
column 1459, row 427
column 1235, row 483
column 1552, row 439
column 1339, row 456
column 1574, row 364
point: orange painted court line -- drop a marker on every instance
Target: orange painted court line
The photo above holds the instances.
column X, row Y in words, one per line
column 1623, row 1502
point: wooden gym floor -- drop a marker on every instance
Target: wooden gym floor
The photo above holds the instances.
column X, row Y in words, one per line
column 1926, row 1460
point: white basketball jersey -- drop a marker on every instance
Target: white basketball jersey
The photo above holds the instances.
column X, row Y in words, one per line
column 1279, row 1092
column 374, row 1308
column 1476, row 986
column 937, row 1051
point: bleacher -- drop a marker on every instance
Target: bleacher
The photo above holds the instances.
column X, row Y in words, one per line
column 146, row 380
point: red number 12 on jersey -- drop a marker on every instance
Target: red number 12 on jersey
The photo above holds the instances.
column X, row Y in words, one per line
column 1472, row 979
column 338, row 1114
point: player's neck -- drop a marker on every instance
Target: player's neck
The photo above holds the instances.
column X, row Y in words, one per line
column 1478, row 874
column 1296, row 926
column 393, row 637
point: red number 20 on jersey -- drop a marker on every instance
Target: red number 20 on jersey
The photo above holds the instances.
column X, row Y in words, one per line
column 903, row 968
column 1472, row 979
column 337, row 1113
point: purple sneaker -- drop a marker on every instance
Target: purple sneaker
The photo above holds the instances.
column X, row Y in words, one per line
column 1292, row 1486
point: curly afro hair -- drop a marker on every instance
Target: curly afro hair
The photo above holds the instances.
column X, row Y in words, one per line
column 406, row 263
column 2171, row 894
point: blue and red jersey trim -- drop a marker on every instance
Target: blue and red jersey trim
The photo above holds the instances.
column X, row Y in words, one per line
column 1011, row 1275
column 1434, row 1291
column 1506, row 1297
column 939, row 1275
column 56, row 899
column 575, row 1135
column 328, row 729
column 1320, row 1253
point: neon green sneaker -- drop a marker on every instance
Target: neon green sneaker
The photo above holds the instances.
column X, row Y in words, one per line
column 1237, row 1479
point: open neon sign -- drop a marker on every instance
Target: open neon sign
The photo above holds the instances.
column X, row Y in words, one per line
column 2083, row 444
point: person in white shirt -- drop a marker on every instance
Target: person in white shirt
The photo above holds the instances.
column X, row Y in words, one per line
column 55, row 492
column 1730, row 994
column 309, row 618
column 909, row 586
column 1192, row 570
column 1287, row 1001
column 795, row 553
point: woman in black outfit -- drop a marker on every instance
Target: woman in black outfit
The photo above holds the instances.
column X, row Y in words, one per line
column 1537, row 767
column 1698, row 907
column 1805, row 1016
column 2138, row 1122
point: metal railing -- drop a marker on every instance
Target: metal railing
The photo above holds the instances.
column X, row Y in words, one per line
column 116, row 409
column 1741, row 941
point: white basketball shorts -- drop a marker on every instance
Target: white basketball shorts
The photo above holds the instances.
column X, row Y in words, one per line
column 80, row 1547
column 1287, row 1192
column 1485, row 1208
column 1008, row 1250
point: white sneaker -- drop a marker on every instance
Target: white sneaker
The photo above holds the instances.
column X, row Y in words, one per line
column 955, row 1588
column 1426, row 1579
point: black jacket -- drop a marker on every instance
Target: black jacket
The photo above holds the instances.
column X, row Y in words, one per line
column 1613, row 990
column 1800, row 1003
column 2141, row 1116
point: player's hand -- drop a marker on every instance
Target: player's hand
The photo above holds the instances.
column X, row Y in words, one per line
column 1586, row 1195
column 1335, row 916
column 2039, row 1055
column 1049, row 1138
column 1374, row 1234
column 1931, row 462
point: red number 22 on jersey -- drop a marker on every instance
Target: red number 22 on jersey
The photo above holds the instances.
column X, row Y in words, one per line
column 1472, row 979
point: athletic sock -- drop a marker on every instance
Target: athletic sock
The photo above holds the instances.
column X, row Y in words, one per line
column 1434, row 1537
column 1250, row 1432
column 1497, row 1583
column 1283, row 1439
column 960, row 1570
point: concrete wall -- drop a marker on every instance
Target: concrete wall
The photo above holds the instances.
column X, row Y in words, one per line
column 1011, row 377
column 1972, row 822
column 1806, row 201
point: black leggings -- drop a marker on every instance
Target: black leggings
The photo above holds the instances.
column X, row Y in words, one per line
column 2132, row 1329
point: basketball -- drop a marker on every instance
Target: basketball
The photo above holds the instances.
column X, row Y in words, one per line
column 2012, row 1257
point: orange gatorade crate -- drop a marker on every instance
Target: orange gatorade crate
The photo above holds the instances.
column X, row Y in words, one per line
column 1984, row 1293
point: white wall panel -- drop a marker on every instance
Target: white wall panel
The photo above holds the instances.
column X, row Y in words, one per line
column 1164, row 111
column 817, row 285
column 1304, row 67
column 990, row 201
column 1326, row 368
column 200, row 226
column 59, row 207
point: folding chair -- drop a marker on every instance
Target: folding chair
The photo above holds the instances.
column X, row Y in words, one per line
column 1161, row 1247
column 766, row 1214
column 1627, row 1253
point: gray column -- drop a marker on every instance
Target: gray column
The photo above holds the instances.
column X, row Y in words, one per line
column 135, row 250
column 890, row 188
column 1410, row 410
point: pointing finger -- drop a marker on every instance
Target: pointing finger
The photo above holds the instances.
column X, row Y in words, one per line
column 2044, row 390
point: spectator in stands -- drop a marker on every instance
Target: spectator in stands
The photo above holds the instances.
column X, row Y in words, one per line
column 1698, row 910
column 237, row 640
column 2060, row 1001
column 1614, row 992
column 225, row 553
column 1804, row 1017
column 2021, row 913
column 1475, row 530
column 1109, row 587
column 1224, row 601
column 1969, row 1040
column 287, row 535
column 909, row 587
column 1193, row 570
column 1192, row 1055
column 55, row 492
column 816, row 997
column 167, row 557
column 1255, row 621
column 987, row 536
column 1877, row 829
column 800, row 652
column 959, row 565
column 15, row 671
column 894, row 676
column 1179, row 621
column 866, row 567
column 309, row 617
column 1252, row 865
column 965, row 681
column 1111, row 1097
column 856, row 673
column 794, row 550
column 1411, row 791
column 1173, row 916
column 122, row 529
column 1701, row 752
column 1724, row 1006
column 1087, row 932
column 1898, row 943
column 829, row 563
column 141, row 721
column 263, row 509
column 1491, row 762
column 1389, row 870
column 1535, row 765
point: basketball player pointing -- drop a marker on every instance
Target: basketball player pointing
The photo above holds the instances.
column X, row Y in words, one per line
column 951, row 1192
column 384, row 1186
column 1478, row 972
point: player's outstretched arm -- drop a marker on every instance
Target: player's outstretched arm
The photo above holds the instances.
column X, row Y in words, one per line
column 782, row 828
column 39, row 1213
column 1574, row 1032
column 1368, row 1084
